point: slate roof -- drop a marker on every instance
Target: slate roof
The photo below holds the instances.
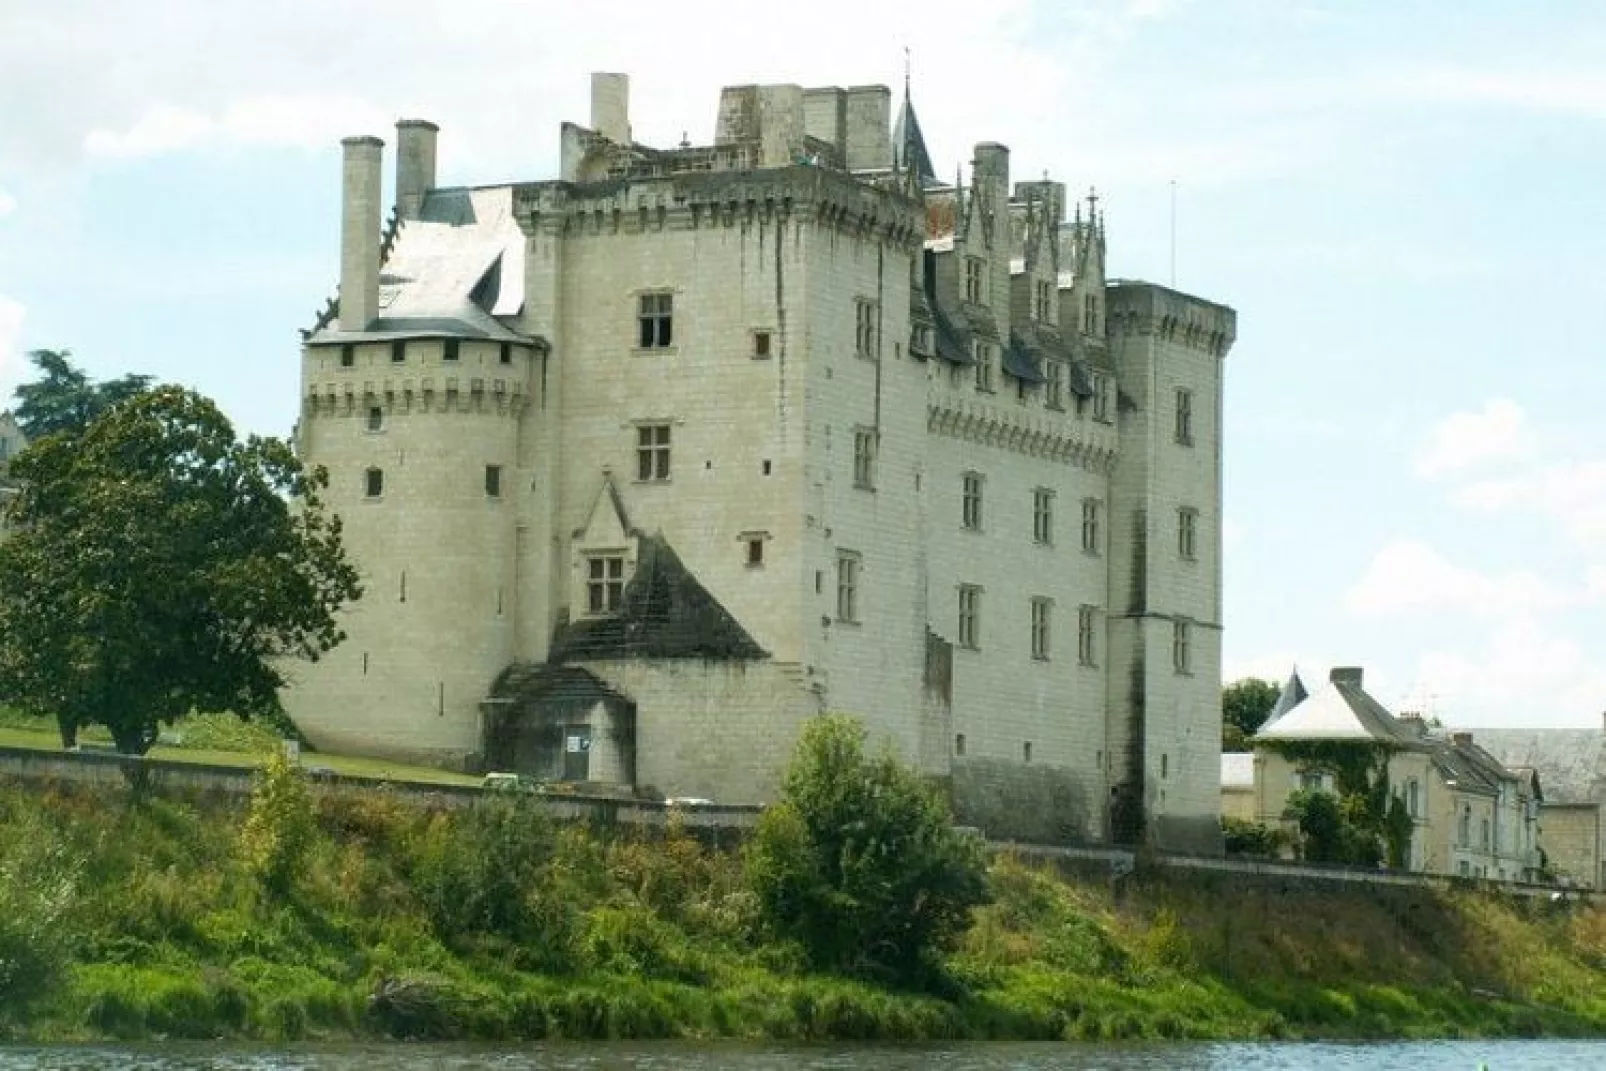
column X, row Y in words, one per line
column 666, row 614
column 451, row 273
column 528, row 682
column 909, row 145
column 1571, row 763
column 1340, row 710
column 1293, row 693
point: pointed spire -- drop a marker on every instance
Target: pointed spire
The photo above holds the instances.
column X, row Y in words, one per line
column 909, row 154
column 1291, row 696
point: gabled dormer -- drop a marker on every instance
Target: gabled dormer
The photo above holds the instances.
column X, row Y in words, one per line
column 603, row 554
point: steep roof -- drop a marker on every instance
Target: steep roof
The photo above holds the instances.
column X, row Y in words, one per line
column 1340, row 710
column 909, row 145
column 1571, row 763
column 1293, row 693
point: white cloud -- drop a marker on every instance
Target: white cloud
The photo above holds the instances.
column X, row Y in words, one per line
column 11, row 314
column 304, row 120
column 1524, row 674
column 1499, row 432
column 1571, row 493
column 8, row 204
column 1409, row 576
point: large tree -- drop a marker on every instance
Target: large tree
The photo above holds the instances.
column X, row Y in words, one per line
column 64, row 399
column 1245, row 705
column 159, row 566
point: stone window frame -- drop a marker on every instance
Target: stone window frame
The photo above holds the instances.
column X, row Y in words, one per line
column 1101, row 397
column 1188, row 533
column 970, row 617
column 865, row 334
column 975, row 280
column 375, row 423
column 655, row 320
column 849, row 567
column 972, row 488
column 762, row 340
column 604, row 581
column 373, row 483
column 1042, row 310
column 1092, row 526
column 864, row 457
column 1054, row 389
column 1042, row 621
column 1043, row 516
column 493, row 481
column 1087, row 649
column 984, row 366
column 753, row 544
column 1182, row 433
column 1182, row 647
column 654, row 443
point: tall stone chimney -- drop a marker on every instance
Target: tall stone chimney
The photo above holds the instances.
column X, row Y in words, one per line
column 1461, row 739
column 610, row 106
column 869, row 128
column 415, row 165
column 1346, row 675
column 359, row 232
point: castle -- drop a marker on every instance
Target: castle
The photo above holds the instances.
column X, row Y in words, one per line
column 646, row 464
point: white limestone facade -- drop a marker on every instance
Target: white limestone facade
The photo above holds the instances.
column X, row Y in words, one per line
column 686, row 446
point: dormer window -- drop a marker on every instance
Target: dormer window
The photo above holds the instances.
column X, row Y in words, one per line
column 605, row 583
column 1045, row 291
column 975, row 272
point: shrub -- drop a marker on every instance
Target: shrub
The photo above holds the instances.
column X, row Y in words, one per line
column 859, row 863
column 281, row 827
column 39, row 879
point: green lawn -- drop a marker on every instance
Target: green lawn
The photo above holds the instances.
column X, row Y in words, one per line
column 251, row 743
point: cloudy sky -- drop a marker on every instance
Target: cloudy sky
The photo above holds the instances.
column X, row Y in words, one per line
column 1402, row 201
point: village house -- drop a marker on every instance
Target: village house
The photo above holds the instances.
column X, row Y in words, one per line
column 1572, row 765
column 1471, row 815
column 12, row 443
column 646, row 463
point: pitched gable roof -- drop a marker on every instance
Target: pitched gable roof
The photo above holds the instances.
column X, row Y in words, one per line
column 1571, row 763
column 1340, row 710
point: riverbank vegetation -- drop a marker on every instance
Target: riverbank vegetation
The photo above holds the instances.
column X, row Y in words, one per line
column 361, row 914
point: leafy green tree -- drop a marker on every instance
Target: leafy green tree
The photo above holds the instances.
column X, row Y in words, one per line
column 859, row 862
column 64, row 399
column 281, row 827
column 1245, row 706
column 159, row 567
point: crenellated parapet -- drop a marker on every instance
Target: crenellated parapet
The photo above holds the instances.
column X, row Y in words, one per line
column 500, row 396
column 961, row 414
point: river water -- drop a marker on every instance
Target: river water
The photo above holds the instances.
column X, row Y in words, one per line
column 1409, row 1056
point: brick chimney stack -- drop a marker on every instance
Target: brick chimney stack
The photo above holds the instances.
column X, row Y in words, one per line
column 359, row 232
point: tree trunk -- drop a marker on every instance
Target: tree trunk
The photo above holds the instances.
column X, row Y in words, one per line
column 133, row 739
column 69, row 732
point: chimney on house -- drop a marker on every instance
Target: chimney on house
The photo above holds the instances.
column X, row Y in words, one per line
column 610, row 106
column 869, row 129
column 359, row 232
column 415, row 165
column 1412, row 721
column 1346, row 675
column 1461, row 739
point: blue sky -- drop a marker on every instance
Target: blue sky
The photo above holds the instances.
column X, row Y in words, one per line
column 1401, row 199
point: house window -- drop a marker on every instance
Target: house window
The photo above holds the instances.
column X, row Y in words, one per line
column 1090, row 526
column 1483, row 840
column 920, row 340
column 376, row 418
column 655, row 320
column 1184, row 428
column 1041, row 611
column 605, row 583
column 761, row 345
column 1101, row 398
column 374, row 483
column 984, row 366
column 652, row 452
column 864, row 328
column 1043, row 516
column 864, row 459
column 970, row 616
column 504, row 353
column 1413, row 798
column 1055, row 395
column 1311, row 780
column 1181, row 647
column 974, row 272
column 1087, row 651
column 1045, row 291
column 1463, row 832
column 348, row 355
column 450, row 350
column 847, row 587
column 493, row 481
column 970, row 502
column 1187, row 533
column 398, row 352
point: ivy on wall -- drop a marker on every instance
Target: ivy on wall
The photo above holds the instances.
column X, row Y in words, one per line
column 1366, row 824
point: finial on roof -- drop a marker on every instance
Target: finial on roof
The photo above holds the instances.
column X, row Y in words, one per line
column 905, row 72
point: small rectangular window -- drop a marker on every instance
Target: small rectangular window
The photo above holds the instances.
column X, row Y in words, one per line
column 864, row 337
column 1184, row 422
column 761, row 344
column 1044, row 292
column 959, row 744
column 984, row 366
column 1101, row 397
column 1090, row 314
column 374, row 483
column 655, row 321
column 504, row 353
column 1043, row 516
column 970, row 502
column 970, row 616
column 450, row 349
column 605, row 583
column 348, row 355
column 975, row 269
column 398, row 351
column 1087, row 651
column 1181, row 647
column 1091, row 536
column 1055, row 394
column 493, row 481
column 1042, row 609
column 755, row 550
column 847, row 587
column 864, row 442
column 652, row 452
column 1187, row 534
column 376, row 418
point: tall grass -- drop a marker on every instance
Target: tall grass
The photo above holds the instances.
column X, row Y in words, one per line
column 124, row 918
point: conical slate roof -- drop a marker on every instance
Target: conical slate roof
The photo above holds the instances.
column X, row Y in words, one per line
column 909, row 145
column 1292, row 695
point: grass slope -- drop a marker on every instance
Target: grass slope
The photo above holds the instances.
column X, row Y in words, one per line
column 144, row 918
